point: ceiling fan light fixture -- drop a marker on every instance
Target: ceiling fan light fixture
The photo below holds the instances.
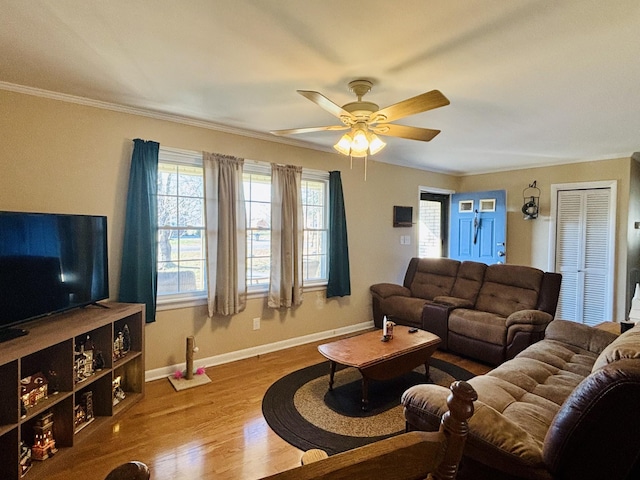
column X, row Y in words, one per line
column 344, row 145
column 360, row 142
column 375, row 144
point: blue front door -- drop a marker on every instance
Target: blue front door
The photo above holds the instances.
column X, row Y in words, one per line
column 478, row 226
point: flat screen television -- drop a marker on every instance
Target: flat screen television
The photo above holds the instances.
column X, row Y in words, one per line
column 49, row 263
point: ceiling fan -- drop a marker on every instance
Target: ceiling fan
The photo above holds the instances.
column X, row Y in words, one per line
column 365, row 119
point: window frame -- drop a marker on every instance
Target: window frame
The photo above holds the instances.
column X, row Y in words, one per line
column 177, row 300
column 256, row 168
column 194, row 158
column 264, row 168
column 319, row 176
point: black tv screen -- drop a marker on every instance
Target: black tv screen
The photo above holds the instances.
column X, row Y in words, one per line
column 50, row 263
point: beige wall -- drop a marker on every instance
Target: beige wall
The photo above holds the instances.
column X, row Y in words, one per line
column 64, row 157
column 528, row 240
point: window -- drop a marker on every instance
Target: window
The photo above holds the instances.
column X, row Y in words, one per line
column 181, row 230
column 181, row 225
column 257, row 200
column 315, row 208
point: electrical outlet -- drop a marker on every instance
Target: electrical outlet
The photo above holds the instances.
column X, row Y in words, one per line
column 256, row 323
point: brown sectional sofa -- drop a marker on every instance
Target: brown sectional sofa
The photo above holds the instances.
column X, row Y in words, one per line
column 487, row 312
column 567, row 407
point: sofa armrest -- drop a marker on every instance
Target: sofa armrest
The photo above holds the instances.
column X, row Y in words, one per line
column 603, row 407
column 626, row 345
column 529, row 317
column 435, row 319
column 453, row 301
column 491, row 434
column 583, row 336
column 424, row 406
column 385, row 290
column 524, row 328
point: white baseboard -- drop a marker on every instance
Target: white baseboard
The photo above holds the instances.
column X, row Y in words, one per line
column 164, row 372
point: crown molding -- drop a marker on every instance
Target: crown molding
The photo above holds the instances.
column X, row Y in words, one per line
column 143, row 112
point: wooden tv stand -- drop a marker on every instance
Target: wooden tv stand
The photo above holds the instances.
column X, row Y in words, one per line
column 51, row 346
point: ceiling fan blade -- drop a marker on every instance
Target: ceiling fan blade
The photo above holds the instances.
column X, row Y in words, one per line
column 326, row 104
column 411, row 106
column 292, row 131
column 402, row 131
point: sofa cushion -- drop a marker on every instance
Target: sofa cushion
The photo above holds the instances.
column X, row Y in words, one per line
column 517, row 401
column 626, row 345
column 508, row 288
column 407, row 308
column 578, row 335
column 572, row 360
column 469, row 281
column 453, row 301
column 433, row 277
column 488, row 327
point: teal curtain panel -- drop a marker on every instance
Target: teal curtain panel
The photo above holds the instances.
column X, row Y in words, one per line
column 339, row 283
column 138, row 275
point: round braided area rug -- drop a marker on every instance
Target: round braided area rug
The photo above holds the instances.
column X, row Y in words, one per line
column 300, row 408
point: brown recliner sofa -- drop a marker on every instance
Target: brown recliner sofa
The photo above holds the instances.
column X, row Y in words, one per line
column 487, row 312
column 565, row 408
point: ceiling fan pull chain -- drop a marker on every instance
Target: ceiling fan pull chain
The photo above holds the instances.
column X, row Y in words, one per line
column 365, row 167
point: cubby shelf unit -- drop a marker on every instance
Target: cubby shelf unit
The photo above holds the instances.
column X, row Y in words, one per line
column 51, row 345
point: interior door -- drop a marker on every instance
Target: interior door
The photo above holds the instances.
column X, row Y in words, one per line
column 584, row 254
column 478, row 227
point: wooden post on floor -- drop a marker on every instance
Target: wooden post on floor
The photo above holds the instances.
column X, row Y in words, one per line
column 190, row 344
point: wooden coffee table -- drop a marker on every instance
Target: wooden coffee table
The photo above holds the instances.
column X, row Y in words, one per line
column 378, row 360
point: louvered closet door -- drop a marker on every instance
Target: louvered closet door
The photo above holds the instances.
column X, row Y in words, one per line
column 582, row 255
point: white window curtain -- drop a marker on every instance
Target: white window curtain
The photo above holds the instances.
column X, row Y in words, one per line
column 285, row 285
column 226, row 226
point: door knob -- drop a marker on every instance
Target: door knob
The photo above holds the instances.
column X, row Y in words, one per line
column 501, row 253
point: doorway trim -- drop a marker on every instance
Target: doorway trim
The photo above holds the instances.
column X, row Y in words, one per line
column 437, row 191
column 442, row 191
column 613, row 186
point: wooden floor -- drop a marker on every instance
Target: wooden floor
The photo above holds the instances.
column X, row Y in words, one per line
column 214, row 431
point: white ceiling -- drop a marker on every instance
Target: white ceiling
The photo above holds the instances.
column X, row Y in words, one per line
column 531, row 82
